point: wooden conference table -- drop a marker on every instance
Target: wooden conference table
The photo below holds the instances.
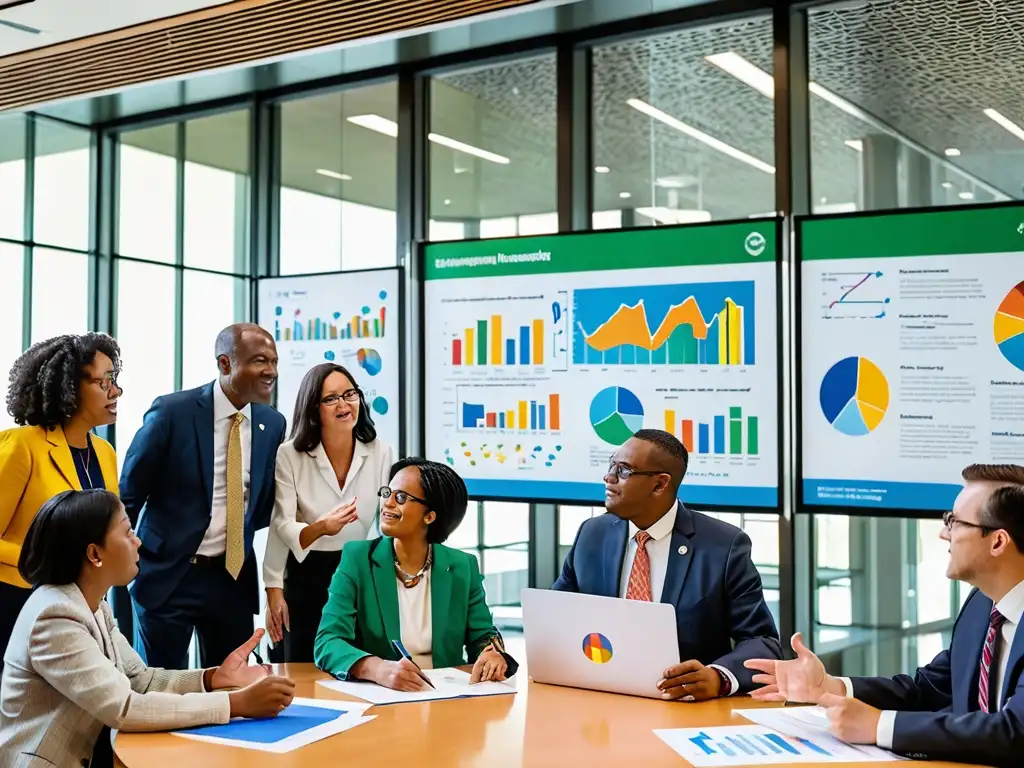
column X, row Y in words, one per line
column 542, row 725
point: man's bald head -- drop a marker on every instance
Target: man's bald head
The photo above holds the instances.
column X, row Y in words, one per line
column 247, row 361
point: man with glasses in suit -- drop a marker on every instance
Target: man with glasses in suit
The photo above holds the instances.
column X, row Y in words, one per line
column 653, row 548
column 967, row 705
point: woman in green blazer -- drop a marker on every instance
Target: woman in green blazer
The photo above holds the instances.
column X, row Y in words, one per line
column 408, row 588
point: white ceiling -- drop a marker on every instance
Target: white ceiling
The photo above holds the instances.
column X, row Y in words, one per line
column 61, row 20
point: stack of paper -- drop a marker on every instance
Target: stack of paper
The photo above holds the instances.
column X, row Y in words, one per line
column 449, row 683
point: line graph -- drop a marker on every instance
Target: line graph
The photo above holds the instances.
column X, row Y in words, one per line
column 854, row 295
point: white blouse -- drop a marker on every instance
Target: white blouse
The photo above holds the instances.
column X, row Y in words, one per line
column 307, row 489
column 414, row 621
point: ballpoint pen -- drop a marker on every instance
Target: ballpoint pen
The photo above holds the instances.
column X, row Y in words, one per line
column 400, row 649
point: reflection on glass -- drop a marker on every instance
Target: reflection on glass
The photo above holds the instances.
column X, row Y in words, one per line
column 338, row 180
column 145, row 333
column 12, row 178
column 62, row 183
column 12, row 265
column 217, row 192
column 466, row 536
column 212, row 302
column 505, row 523
column 669, row 145
column 493, row 149
column 60, row 293
column 147, row 197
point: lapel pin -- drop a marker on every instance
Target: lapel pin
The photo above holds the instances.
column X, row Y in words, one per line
column 261, row 426
column 683, row 550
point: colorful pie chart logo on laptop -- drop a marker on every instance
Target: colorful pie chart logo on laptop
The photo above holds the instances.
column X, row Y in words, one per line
column 597, row 648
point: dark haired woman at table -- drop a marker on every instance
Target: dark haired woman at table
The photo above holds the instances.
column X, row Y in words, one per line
column 408, row 587
column 61, row 389
column 71, row 677
column 327, row 478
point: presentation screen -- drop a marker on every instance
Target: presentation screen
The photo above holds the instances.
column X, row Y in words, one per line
column 912, row 353
column 349, row 318
column 545, row 354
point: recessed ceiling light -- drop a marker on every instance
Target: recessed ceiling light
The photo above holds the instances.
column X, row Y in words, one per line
column 334, row 174
column 1005, row 122
column 447, row 201
column 952, row 152
column 689, row 130
column 602, row 169
column 625, row 195
column 855, row 144
column 947, row 185
column 390, row 128
column 966, row 195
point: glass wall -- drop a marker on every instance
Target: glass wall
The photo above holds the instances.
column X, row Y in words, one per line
column 338, row 180
column 493, row 151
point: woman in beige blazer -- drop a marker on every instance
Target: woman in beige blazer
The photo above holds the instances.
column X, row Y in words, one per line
column 69, row 674
column 327, row 475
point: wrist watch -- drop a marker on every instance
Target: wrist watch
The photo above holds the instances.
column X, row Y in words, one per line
column 726, row 682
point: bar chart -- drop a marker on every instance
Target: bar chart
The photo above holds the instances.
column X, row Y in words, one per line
column 729, row 434
column 365, row 325
column 486, row 342
column 485, row 409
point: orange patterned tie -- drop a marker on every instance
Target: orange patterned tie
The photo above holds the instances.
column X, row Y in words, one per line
column 235, row 545
column 639, row 587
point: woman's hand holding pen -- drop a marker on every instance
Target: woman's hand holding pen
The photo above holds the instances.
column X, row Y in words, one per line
column 401, row 675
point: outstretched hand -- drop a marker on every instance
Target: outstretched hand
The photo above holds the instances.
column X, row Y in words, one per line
column 802, row 679
column 236, row 672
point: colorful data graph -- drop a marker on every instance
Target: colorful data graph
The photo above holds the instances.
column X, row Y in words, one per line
column 484, row 343
column 854, row 295
column 854, row 396
column 361, row 326
column 477, row 411
column 1009, row 326
column 682, row 324
column 722, row 435
column 752, row 742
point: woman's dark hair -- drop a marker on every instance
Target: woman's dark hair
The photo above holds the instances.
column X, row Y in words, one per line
column 45, row 380
column 306, row 418
column 61, row 532
column 443, row 490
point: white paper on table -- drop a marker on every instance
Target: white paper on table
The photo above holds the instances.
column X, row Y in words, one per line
column 449, row 683
column 811, row 723
column 353, row 716
column 757, row 745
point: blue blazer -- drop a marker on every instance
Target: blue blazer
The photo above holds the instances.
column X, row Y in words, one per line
column 721, row 615
column 937, row 709
column 167, row 478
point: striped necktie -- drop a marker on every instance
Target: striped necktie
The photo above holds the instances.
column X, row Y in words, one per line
column 995, row 623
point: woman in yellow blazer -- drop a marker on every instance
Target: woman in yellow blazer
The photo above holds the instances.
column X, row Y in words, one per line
column 60, row 390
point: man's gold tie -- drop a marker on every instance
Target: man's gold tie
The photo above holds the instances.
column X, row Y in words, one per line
column 235, row 548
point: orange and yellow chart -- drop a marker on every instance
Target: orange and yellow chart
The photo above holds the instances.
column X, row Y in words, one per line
column 854, row 396
column 1009, row 326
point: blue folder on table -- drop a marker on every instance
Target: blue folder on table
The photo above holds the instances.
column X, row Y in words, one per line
column 295, row 719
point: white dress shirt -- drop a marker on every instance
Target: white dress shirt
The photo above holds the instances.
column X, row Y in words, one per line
column 415, row 622
column 658, row 548
column 308, row 489
column 215, row 540
column 1012, row 608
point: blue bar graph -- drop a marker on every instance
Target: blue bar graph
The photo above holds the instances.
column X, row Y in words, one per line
column 702, row 439
column 743, row 747
column 540, row 417
column 472, row 415
column 751, row 745
column 781, row 742
column 812, row 746
column 510, row 351
column 533, row 414
column 719, row 434
column 524, row 345
column 767, row 743
column 501, row 420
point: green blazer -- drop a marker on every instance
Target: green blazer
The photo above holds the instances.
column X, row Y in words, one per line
column 361, row 616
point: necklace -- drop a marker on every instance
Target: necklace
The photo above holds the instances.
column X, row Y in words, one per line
column 85, row 461
column 407, row 580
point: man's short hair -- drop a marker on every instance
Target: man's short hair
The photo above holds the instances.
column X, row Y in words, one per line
column 676, row 459
column 1004, row 508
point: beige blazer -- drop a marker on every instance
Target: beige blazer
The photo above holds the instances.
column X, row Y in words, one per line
column 307, row 489
column 68, row 672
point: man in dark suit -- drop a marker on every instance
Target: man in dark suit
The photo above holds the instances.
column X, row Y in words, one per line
column 200, row 472
column 652, row 547
column 967, row 705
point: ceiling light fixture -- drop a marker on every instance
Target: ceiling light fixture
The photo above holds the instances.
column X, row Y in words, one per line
column 855, row 144
column 625, row 195
column 602, row 169
column 1005, row 122
column 952, row 152
column 664, row 215
column 966, row 195
column 390, row 128
column 947, row 185
column 334, row 174
column 689, row 130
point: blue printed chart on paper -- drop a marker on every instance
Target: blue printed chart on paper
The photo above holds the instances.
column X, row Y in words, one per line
column 348, row 318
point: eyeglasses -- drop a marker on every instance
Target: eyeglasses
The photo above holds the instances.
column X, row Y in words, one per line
column 349, row 396
column 622, row 472
column 949, row 520
column 400, row 496
column 107, row 382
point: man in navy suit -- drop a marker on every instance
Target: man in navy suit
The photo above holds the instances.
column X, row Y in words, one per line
column 652, row 547
column 200, row 472
column 967, row 705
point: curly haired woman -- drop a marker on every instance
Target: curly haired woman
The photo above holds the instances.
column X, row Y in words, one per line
column 60, row 390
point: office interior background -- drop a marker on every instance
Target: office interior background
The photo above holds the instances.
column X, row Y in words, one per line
column 151, row 214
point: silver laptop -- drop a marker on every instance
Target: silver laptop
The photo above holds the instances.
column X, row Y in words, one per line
column 598, row 643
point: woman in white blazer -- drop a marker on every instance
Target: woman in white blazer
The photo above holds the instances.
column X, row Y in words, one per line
column 70, row 677
column 328, row 474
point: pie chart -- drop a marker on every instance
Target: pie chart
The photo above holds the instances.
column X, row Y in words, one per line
column 854, row 396
column 1009, row 326
column 615, row 414
column 369, row 360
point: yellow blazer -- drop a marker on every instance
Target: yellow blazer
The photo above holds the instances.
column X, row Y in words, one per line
column 36, row 465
